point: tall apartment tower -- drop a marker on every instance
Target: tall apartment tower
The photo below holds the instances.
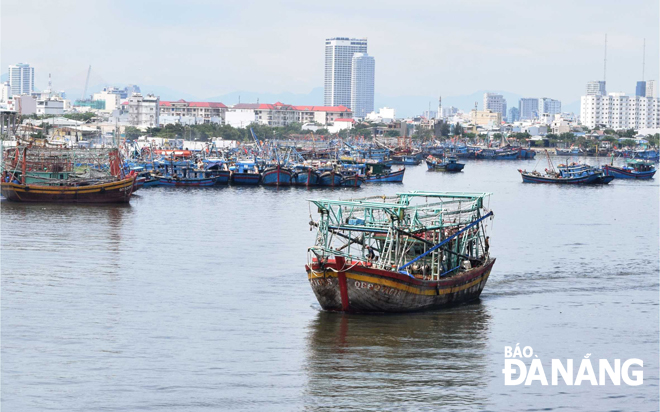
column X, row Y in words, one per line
column 528, row 108
column 596, row 88
column 640, row 90
column 495, row 103
column 549, row 106
column 339, row 53
column 651, row 88
column 362, row 84
column 21, row 79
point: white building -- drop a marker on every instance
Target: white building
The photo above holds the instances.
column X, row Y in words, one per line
column 651, row 88
column 528, row 108
column 111, row 97
column 192, row 112
column 384, row 115
column 50, row 107
column 549, row 106
column 21, row 79
column 495, row 103
column 362, row 84
column 618, row 111
column 5, row 92
column 339, row 53
column 143, row 111
column 596, row 88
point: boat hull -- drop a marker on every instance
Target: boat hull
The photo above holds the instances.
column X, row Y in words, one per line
column 394, row 177
column 330, row 179
column 352, row 181
column 364, row 289
column 252, row 179
column 589, row 179
column 115, row 192
column 276, row 176
column 306, row 178
column 445, row 167
column 621, row 173
column 168, row 181
column 222, row 177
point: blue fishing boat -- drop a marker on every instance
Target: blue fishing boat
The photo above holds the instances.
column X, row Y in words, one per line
column 450, row 164
column 351, row 179
column 245, row 173
column 581, row 170
column 634, row 169
column 187, row 178
column 648, row 154
column 493, row 154
column 276, row 176
column 330, row 178
column 219, row 170
column 380, row 173
column 406, row 160
column 305, row 176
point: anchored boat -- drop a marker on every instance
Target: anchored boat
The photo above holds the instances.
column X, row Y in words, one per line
column 450, row 164
column 634, row 169
column 413, row 251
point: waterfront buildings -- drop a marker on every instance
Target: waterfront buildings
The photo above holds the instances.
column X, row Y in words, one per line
column 596, row 88
column 339, row 53
column 513, row 115
column 143, row 111
column 280, row 114
column 640, row 90
column 495, row 103
column 49, row 106
column 182, row 111
column 21, row 79
column 362, row 84
column 528, row 108
column 619, row 111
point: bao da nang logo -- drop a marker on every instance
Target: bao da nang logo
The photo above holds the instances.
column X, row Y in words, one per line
column 521, row 366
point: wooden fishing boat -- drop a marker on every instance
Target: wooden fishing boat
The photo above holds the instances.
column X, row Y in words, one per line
column 305, row 176
column 634, row 169
column 186, row 181
column 59, row 175
column 276, row 176
column 245, row 173
column 330, row 178
column 382, row 173
column 450, row 164
column 351, row 180
column 406, row 160
column 415, row 251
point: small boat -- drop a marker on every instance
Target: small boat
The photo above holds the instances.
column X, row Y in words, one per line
column 330, row 178
column 305, row 176
column 493, row 154
column 276, row 176
column 450, row 164
column 424, row 259
column 245, row 173
column 188, row 178
column 219, row 170
column 406, row 160
column 379, row 173
column 574, row 173
column 572, row 151
column 634, row 169
column 351, row 179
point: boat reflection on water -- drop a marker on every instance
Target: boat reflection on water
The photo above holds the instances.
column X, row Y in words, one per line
column 408, row 361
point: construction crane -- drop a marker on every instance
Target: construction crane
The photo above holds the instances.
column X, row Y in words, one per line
column 86, row 83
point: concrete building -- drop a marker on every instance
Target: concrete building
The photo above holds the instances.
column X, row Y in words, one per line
column 323, row 115
column 339, row 53
column 21, row 79
column 362, row 84
column 640, row 90
column 206, row 112
column 495, row 103
column 651, row 88
column 430, row 114
column 549, row 106
column 143, row 111
column 24, row 104
column 5, row 92
column 50, row 107
column 384, row 115
column 618, row 111
column 513, row 115
column 528, row 108
column 596, row 88
column 486, row 118
column 448, row 111
column 111, row 96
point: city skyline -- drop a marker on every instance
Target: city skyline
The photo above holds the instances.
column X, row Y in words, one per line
column 566, row 59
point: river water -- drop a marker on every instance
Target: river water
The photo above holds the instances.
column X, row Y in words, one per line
column 198, row 300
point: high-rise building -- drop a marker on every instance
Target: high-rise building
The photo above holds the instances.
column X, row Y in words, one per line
column 339, row 53
column 528, row 108
column 362, row 84
column 596, row 88
column 495, row 103
column 513, row 115
column 618, row 111
column 549, row 106
column 640, row 90
column 21, row 79
column 651, row 88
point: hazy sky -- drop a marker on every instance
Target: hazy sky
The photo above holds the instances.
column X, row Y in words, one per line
column 207, row 48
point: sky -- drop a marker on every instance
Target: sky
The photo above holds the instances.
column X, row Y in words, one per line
column 207, row 48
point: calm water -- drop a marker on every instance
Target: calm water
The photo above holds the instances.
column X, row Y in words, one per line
column 198, row 300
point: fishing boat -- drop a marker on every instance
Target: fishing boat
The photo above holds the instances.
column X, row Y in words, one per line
column 571, row 174
column 217, row 168
column 572, row 151
column 351, row 179
column 497, row 154
column 245, row 173
column 65, row 176
column 277, row 175
column 634, row 169
column 304, row 175
column 450, row 164
column 330, row 178
column 406, row 160
column 188, row 178
column 415, row 251
column 581, row 169
column 381, row 173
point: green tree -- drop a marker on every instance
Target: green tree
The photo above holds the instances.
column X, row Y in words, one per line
column 392, row 133
column 567, row 137
column 132, row 132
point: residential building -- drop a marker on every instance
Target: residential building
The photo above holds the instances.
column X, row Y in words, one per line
column 5, row 92
column 21, row 79
column 323, row 115
column 280, row 114
column 202, row 112
column 448, row 111
column 549, row 106
column 362, row 84
column 430, row 114
column 241, row 115
column 596, row 88
column 384, row 115
column 495, row 103
column 640, row 90
column 486, row 118
column 618, row 111
column 111, row 96
column 143, row 111
column 513, row 115
column 528, row 108
column 339, row 53
column 50, row 107
column 651, row 88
